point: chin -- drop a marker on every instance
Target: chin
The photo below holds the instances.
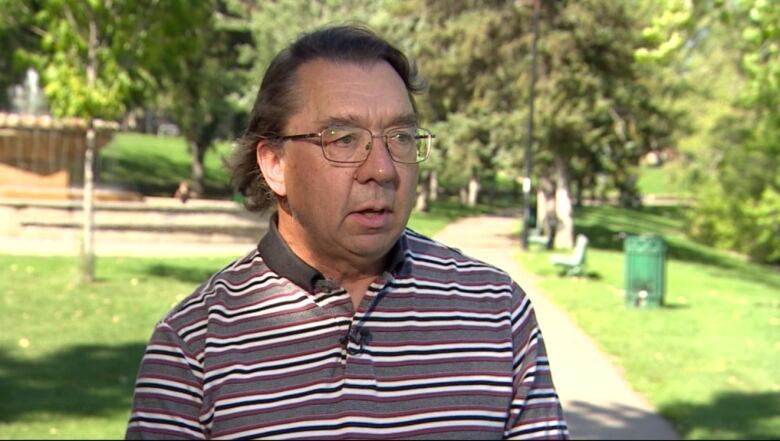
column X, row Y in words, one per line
column 376, row 244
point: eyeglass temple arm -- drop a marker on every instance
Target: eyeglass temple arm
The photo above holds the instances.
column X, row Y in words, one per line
column 304, row 136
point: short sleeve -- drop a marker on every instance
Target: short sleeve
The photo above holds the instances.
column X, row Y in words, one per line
column 535, row 411
column 168, row 394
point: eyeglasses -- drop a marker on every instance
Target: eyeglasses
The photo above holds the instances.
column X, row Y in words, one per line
column 351, row 145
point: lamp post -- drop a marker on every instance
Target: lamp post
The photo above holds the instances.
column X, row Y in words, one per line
column 528, row 157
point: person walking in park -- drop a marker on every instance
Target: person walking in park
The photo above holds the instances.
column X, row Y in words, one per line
column 343, row 323
column 183, row 192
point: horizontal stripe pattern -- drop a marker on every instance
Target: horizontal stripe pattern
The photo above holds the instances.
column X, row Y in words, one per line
column 443, row 344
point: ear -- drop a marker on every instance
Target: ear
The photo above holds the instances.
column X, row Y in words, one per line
column 271, row 163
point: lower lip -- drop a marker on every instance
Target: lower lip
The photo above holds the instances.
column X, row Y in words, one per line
column 372, row 219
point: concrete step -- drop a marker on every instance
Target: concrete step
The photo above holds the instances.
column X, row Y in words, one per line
column 154, row 219
column 147, row 232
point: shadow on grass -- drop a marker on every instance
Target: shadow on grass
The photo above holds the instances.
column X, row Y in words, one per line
column 84, row 380
column 607, row 233
column 589, row 275
column 734, row 415
column 182, row 273
column 673, row 306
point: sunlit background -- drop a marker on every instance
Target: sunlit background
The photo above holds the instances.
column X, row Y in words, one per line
column 655, row 136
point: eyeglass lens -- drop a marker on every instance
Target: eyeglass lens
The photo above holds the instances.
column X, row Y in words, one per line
column 353, row 144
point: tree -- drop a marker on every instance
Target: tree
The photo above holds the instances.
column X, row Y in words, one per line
column 290, row 18
column 97, row 59
column 740, row 205
column 199, row 76
column 599, row 109
column 597, row 112
column 734, row 151
column 472, row 54
column 17, row 35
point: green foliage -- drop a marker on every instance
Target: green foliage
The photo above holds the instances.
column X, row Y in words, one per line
column 199, row 78
column 274, row 25
column 595, row 107
column 707, row 360
column 732, row 57
column 737, row 201
column 598, row 110
column 90, row 55
column 96, row 58
column 665, row 35
column 473, row 56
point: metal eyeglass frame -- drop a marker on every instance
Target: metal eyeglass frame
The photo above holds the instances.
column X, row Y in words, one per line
column 383, row 136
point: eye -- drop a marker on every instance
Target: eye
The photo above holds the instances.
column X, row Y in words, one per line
column 340, row 138
column 347, row 139
column 403, row 137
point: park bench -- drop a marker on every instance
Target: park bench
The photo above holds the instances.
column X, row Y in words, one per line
column 573, row 264
column 536, row 236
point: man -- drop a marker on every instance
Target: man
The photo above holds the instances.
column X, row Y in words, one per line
column 342, row 324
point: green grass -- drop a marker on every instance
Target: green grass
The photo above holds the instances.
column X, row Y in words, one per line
column 708, row 360
column 69, row 352
column 660, row 181
column 154, row 165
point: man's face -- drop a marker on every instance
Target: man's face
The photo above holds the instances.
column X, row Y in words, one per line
column 346, row 212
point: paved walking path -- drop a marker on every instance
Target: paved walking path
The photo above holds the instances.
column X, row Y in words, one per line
column 597, row 402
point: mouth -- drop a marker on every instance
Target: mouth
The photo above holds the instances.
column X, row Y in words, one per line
column 373, row 217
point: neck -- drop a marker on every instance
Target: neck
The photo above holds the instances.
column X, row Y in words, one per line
column 353, row 272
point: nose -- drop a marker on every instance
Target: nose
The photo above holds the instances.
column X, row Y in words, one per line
column 379, row 165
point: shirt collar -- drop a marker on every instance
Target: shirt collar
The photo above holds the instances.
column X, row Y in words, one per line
column 281, row 259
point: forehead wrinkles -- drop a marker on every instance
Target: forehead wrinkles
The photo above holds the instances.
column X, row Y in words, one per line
column 328, row 91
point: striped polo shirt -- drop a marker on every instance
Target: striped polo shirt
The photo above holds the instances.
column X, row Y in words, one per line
column 442, row 346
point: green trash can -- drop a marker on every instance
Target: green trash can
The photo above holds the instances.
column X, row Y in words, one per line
column 645, row 271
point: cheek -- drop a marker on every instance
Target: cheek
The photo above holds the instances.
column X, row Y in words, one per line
column 317, row 189
column 409, row 181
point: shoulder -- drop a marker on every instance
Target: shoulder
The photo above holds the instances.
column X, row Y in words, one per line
column 226, row 287
column 426, row 254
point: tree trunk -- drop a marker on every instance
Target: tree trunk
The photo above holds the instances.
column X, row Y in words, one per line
column 541, row 210
column 545, row 204
column 545, row 210
column 88, row 225
column 564, row 235
column 473, row 191
column 198, row 152
column 579, row 194
column 629, row 193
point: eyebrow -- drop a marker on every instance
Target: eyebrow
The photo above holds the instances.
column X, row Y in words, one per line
column 409, row 119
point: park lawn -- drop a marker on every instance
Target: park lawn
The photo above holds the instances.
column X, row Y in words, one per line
column 154, row 165
column 69, row 352
column 661, row 180
column 708, row 360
